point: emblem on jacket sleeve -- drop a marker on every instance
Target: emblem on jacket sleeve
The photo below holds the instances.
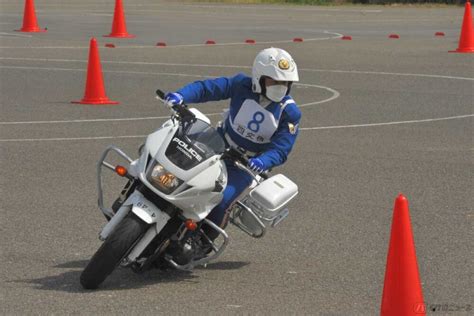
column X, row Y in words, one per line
column 292, row 128
column 284, row 64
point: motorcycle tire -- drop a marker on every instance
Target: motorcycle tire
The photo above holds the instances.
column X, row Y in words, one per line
column 112, row 251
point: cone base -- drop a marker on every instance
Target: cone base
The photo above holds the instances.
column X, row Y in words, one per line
column 95, row 102
column 462, row 50
column 32, row 30
column 121, row 35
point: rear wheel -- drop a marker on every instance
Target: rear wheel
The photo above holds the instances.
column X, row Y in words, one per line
column 112, row 251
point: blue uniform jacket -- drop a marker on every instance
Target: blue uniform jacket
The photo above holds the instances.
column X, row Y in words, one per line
column 272, row 152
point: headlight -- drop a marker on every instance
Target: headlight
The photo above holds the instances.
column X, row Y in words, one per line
column 162, row 179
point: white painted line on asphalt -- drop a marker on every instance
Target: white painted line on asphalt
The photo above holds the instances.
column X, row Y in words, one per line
column 439, row 19
column 285, row 8
column 303, row 129
column 105, row 71
column 388, row 73
column 41, row 68
column 336, row 35
column 100, row 14
column 94, row 120
column 47, row 47
column 122, row 62
column 69, row 138
column 335, row 95
column 14, row 34
column 239, row 67
column 387, row 123
column 288, row 8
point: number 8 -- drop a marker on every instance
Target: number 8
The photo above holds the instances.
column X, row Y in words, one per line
column 254, row 125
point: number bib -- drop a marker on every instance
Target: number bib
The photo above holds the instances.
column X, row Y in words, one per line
column 254, row 123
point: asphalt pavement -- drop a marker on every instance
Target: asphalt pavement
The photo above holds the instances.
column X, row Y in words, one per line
column 380, row 117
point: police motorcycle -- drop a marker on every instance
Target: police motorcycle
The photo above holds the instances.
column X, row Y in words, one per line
column 177, row 180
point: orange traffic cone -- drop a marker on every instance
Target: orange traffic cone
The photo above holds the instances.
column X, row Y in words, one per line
column 30, row 24
column 402, row 294
column 95, row 91
column 466, row 40
column 119, row 28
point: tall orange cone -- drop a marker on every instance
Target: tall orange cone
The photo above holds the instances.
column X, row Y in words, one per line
column 95, row 91
column 466, row 40
column 119, row 27
column 30, row 24
column 402, row 294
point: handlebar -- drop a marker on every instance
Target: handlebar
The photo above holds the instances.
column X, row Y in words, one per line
column 237, row 156
column 182, row 110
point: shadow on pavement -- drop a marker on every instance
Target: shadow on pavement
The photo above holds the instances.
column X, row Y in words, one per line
column 224, row 265
column 73, row 264
column 120, row 279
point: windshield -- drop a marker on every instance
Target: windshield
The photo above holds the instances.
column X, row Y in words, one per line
column 193, row 144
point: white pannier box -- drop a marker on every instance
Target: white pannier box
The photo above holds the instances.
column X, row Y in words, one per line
column 264, row 205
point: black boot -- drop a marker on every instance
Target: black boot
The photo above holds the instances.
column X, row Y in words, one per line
column 182, row 251
column 202, row 248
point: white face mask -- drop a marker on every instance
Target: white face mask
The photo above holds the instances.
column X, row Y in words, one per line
column 276, row 92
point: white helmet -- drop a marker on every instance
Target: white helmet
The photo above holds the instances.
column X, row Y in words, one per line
column 275, row 63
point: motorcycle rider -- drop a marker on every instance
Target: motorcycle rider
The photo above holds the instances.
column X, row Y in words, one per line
column 261, row 122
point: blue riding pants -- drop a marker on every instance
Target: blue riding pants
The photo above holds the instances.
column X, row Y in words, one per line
column 237, row 181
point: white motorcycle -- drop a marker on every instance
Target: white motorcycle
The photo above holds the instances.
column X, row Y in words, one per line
column 178, row 179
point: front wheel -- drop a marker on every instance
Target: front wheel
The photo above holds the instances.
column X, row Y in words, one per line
column 112, row 251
